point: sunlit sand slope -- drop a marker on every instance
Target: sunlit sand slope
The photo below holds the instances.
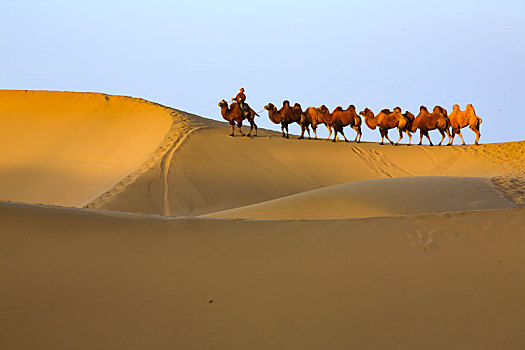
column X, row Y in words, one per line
column 66, row 148
column 383, row 197
column 212, row 172
column 79, row 279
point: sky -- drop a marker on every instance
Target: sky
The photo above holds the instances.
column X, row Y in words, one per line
column 191, row 54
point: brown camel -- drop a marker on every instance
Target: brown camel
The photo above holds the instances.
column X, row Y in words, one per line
column 285, row 116
column 233, row 114
column 410, row 117
column 303, row 122
column 342, row 118
column 459, row 119
column 386, row 120
column 314, row 116
column 426, row 121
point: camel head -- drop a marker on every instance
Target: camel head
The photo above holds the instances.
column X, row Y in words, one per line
column 223, row 103
column 370, row 119
column 367, row 112
column 409, row 115
column 270, row 107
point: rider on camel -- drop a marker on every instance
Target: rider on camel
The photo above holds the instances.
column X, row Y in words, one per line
column 240, row 98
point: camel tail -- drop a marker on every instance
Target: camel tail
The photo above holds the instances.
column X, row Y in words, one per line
column 479, row 120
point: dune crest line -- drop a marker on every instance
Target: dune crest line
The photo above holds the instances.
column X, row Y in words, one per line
column 183, row 124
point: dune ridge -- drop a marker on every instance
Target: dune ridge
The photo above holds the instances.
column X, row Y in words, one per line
column 380, row 197
column 183, row 124
column 286, row 167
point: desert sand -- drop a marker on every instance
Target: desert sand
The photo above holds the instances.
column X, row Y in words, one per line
column 125, row 224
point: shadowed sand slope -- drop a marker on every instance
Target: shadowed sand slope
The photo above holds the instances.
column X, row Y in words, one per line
column 383, row 197
column 65, row 148
column 79, row 279
column 211, row 172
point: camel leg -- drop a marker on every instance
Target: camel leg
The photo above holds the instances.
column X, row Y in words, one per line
column 382, row 136
column 454, row 132
column 343, row 133
column 451, row 140
column 329, row 132
column 302, row 133
column 358, row 134
column 255, row 126
column 475, row 128
column 449, row 136
column 282, row 130
column 461, row 136
column 233, row 130
column 400, row 136
column 315, row 131
column 239, row 125
column 429, row 140
column 287, row 133
column 308, row 129
column 442, row 137
column 420, row 138
column 386, row 135
column 409, row 137
column 251, row 128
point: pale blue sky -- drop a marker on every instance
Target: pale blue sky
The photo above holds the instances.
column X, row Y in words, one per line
column 191, row 54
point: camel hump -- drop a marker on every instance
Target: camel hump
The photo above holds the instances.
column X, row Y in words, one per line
column 338, row 108
column 386, row 111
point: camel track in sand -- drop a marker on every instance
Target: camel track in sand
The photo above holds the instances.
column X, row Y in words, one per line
column 183, row 124
column 512, row 157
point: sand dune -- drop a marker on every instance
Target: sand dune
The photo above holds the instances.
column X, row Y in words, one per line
column 249, row 171
column 106, row 277
column 383, row 197
column 65, row 148
column 124, row 154
column 82, row 279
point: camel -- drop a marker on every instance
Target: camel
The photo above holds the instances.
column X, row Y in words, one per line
column 426, row 121
column 459, row 119
column 387, row 120
column 285, row 116
column 410, row 117
column 314, row 116
column 342, row 118
column 233, row 114
column 303, row 122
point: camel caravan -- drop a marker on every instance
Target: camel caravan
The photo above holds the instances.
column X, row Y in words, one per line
column 340, row 118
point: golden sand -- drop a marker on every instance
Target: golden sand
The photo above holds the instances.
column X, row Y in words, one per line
column 289, row 244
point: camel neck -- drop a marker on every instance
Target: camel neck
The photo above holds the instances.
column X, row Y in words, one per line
column 371, row 121
column 273, row 115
